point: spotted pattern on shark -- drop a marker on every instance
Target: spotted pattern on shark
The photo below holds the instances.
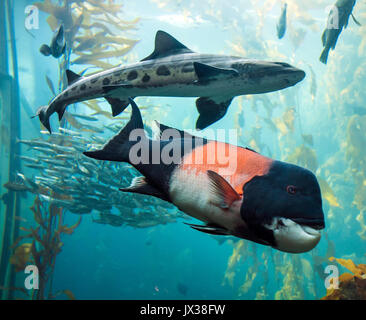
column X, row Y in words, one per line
column 163, row 71
column 146, row 78
column 132, row 75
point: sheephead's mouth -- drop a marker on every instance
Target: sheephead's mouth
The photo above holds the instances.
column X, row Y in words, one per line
column 317, row 224
column 294, row 237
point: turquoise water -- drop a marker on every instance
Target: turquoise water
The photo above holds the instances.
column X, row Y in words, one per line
column 101, row 261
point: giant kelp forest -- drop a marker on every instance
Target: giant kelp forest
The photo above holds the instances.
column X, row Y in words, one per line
column 39, row 191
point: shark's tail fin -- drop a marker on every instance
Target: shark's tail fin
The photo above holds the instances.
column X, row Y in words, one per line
column 44, row 114
column 43, row 117
column 118, row 148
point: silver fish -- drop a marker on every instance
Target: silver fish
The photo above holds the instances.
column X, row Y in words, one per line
column 339, row 14
column 282, row 22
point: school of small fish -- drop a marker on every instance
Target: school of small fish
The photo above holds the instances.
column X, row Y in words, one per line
column 80, row 185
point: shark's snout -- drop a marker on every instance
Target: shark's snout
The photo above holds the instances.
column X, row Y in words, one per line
column 274, row 76
column 291, row 74
column 297, row 75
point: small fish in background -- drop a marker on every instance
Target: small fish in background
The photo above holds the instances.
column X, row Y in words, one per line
column 182, row 289
column 313, row 85
column 50, row 85
column 58, row 45
column 15, row 186
column 282, row 22
column 111, row 219
column 340, row 13
column 5, row 198
column 81, row 185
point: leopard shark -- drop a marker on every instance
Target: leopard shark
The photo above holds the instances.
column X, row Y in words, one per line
column 174, row 70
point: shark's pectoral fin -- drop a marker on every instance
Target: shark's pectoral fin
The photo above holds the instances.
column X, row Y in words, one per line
column 211, row 109
column 205, row 71
column 141, row 186
column 61, row 111
column 118, row 105
column 210, row 229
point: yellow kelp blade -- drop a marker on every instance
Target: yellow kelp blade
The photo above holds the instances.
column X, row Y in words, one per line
column 328, row 193
column 358, row 271
column 69, row 294
column 21, row 256
column 305, row 157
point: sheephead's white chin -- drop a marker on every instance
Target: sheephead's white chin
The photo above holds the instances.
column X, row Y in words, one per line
column 293, row 237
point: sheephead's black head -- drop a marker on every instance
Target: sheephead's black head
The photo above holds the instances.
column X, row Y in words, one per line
column 284, row 207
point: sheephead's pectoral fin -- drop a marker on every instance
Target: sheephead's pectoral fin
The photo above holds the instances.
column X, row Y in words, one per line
column 211, row 109
column 210, row 229
column 222, row 193
column 141, row 186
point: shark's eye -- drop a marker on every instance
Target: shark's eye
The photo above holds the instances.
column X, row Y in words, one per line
column 291, row 189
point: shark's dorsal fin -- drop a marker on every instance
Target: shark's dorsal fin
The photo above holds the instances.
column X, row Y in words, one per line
column 166, row 45
column 72, row 77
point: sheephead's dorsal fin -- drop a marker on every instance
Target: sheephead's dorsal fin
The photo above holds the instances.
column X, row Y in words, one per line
column 166, row 45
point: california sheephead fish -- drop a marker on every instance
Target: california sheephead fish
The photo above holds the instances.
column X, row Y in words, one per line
column 263, row 200
column 281, row 25
column 337, row 20
column 58, row 45
column 173, row 70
